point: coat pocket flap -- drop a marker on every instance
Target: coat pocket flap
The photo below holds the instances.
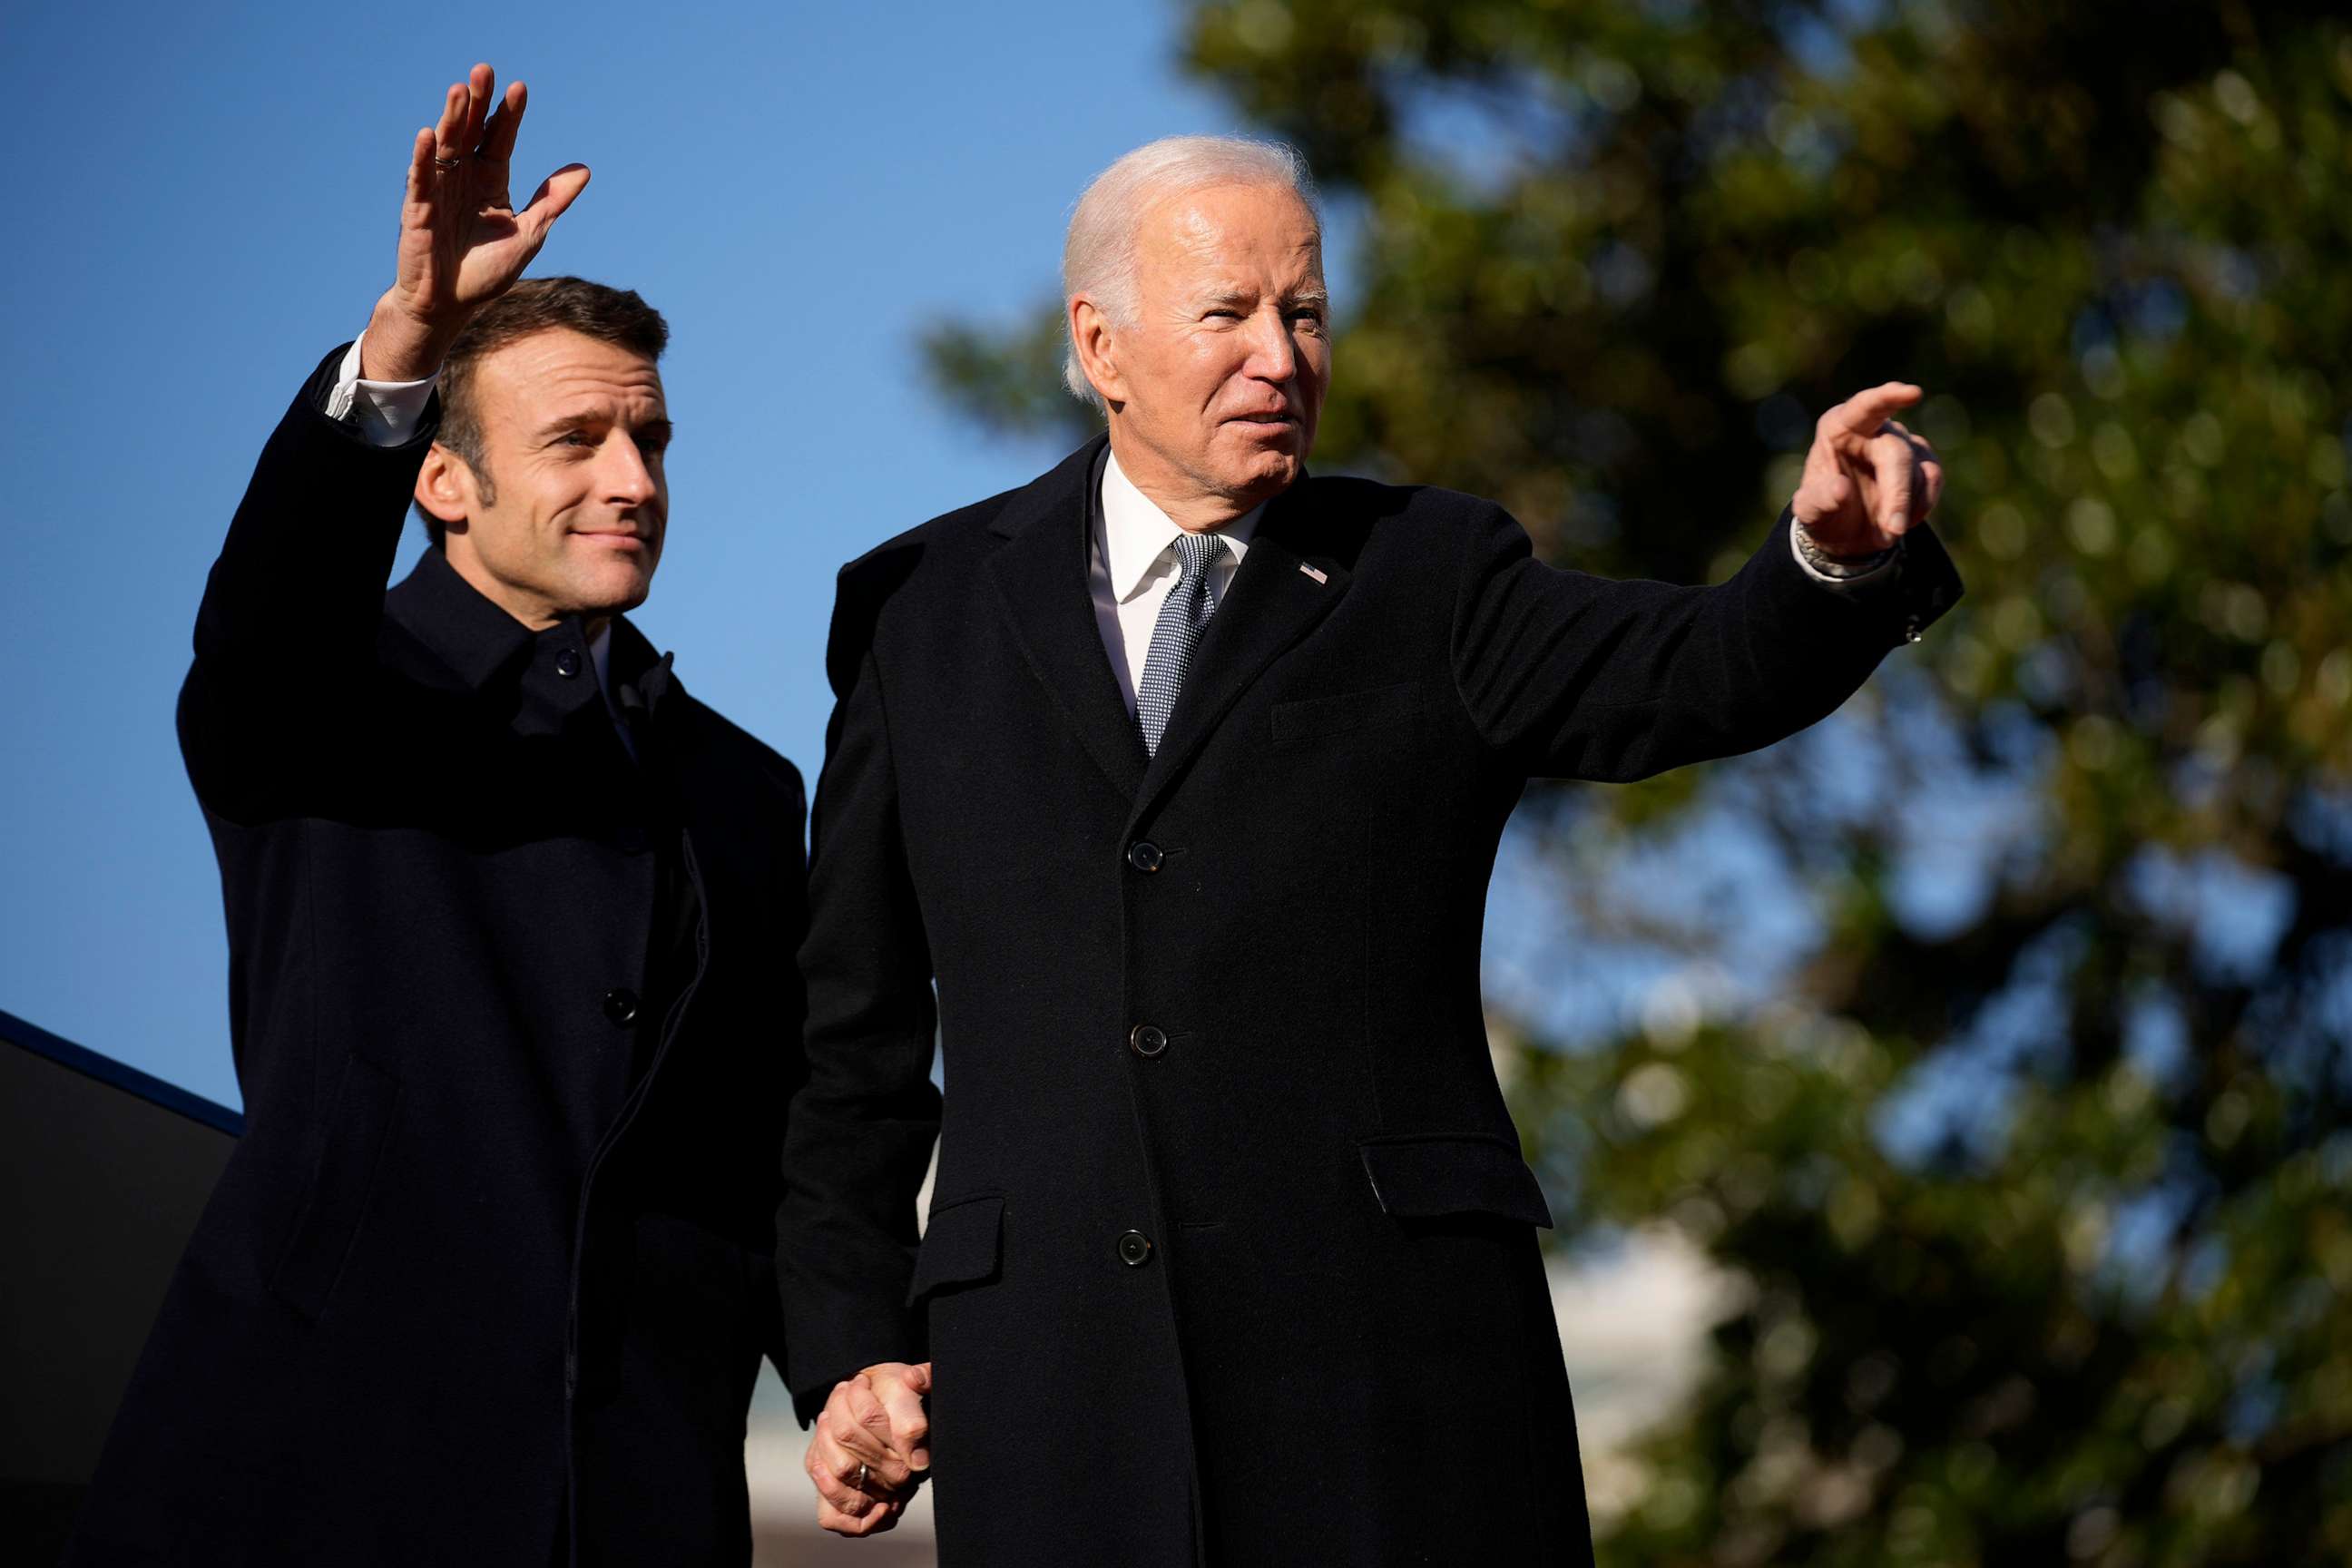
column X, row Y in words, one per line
column 959, row 1246
column 1421, row 1178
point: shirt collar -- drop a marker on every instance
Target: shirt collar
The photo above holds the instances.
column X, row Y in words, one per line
column 1136, row 534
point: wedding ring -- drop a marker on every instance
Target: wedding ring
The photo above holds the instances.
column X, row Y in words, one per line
column 861, row 1474
column 446, row 164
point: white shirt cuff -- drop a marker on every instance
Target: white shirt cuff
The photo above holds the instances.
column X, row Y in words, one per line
column 387, row 411
column 1823, row 567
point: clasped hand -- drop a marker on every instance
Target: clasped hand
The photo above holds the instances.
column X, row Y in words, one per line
column 871, row 1447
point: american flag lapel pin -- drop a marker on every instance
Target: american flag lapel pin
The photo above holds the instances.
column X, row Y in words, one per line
column 1311, row 571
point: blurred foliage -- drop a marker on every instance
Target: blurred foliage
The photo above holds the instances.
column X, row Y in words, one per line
column 1009, row 382
column 2030, row 1171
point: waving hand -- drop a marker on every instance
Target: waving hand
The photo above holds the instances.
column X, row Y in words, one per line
column 462, row 241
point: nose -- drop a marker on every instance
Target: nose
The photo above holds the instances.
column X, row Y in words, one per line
column 629, row 477
column 1273, row 356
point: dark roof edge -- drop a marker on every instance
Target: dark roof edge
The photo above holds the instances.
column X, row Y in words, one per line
column 117, row 1074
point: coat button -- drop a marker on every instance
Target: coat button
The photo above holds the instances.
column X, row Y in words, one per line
column 1146, row 1041
column 630, row 839
column 567, row 664
column 1144, row 855
column 1135, row 1249
column 621, row 1006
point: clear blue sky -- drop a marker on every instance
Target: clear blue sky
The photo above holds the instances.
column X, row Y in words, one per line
column 204, row 200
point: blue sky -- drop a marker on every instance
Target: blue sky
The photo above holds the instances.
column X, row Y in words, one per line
column 203, row 201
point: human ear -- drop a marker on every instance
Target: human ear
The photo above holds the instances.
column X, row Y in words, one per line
column 445, row 486
column 1090, row 330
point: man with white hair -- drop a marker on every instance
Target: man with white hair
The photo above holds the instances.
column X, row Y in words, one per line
column 1166, row 789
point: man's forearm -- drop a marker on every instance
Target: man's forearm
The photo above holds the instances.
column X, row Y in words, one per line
column 301, row 575
column 846, row 1234
column 859, row 1134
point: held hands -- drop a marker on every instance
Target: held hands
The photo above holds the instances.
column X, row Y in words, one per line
column 462, row 242
column 870, row 1447
column 1867, row 480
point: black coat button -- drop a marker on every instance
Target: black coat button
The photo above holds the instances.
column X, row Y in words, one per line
column 567, row 664
column 630, row 838
column 621, row 1006
column 1145, row 856
column 1146, row 1041
column 1135, row 1249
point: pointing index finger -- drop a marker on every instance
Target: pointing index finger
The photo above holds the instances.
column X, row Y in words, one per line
column 1866, row 412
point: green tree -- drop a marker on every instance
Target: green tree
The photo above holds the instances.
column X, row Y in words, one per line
column 2027, row 1141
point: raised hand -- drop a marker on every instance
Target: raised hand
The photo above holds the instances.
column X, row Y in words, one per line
column 870, row 1448
column 1867, row 480
column 462, row 242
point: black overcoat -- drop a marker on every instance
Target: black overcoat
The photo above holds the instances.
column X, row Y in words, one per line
column 1232, row 1254
column 490, row 1276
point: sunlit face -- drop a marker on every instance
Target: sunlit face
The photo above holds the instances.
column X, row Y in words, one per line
column 573, row 515
column 1216, row 386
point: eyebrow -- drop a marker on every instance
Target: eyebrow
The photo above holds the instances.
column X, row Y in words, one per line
column 1232, row 294
column 571, row 422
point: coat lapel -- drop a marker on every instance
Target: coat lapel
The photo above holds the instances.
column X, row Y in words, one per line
column 1285, row 585
column 1041, row 578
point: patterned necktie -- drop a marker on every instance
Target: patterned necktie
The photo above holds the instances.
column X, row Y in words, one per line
column 1175, row 635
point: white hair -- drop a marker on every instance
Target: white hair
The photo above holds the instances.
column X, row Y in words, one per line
column 1098, row 254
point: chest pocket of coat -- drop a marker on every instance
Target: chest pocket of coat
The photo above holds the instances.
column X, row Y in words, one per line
column 960, row 1246
column 1395, row 709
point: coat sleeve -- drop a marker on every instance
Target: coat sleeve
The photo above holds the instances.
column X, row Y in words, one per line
column 1573, row 675
column 859, row 1134
column 287, row 629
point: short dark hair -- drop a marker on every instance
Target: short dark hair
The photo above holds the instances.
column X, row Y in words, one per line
column 598, row 310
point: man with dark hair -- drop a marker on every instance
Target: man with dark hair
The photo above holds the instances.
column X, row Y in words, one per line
column 615, row 316
column 511, row 922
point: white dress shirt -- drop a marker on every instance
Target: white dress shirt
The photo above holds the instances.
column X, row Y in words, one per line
column 1131, row 569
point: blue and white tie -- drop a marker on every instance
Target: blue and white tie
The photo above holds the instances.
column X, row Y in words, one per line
column 1176, row 634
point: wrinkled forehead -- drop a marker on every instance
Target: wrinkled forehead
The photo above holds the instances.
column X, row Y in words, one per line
column 1262, row 231
column 561, row 371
